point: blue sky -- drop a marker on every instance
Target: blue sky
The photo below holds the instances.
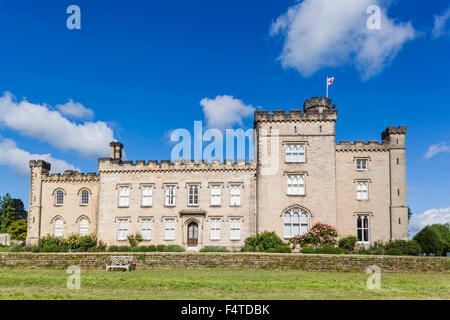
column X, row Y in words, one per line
column 138, row 69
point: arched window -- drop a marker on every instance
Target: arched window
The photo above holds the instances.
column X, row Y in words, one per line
column 84, row 197
column 295, row 223
column 58, row 227
column 84, row 227
column 59, row 198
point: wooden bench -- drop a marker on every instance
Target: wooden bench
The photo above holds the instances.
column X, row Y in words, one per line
column 121, row 262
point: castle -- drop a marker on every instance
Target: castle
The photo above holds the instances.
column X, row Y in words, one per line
column 300, row 175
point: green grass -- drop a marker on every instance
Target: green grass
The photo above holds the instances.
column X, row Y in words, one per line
column 219, row 284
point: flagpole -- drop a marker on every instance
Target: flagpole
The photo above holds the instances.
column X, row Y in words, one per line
column 327, row 87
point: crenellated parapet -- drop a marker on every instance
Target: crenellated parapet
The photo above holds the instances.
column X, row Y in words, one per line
column 107, row 165
column 318, row 105
column 40, row 164
column 362, row 146
column 386, row 134
column 314, row 109
column 72, row 176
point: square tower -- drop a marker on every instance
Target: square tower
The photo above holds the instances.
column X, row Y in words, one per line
column 296, row 168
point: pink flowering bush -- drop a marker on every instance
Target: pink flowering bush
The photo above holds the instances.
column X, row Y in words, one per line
column 321, row 234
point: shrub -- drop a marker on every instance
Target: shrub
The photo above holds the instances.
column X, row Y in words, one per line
column 16, row 247
column 173, row 248
column 160, row 247
column 101, row 246
column 348, row 243
column 394, row 252
column 214, row 249
column 308, row 250
column 150, row 248
column 409, row 248
column 50, row 241
column 332, row 250
column 280, row 249
column 378, row 251
column 263, row 241
column 112, row 249
column 363, row 250
column 134, row 240
column 320, row 235
column 87, row 242
column 430, row 241
column 119, row 249
column 51, row 247
column 18, row 230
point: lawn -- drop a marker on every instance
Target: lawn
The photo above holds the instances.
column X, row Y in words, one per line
column 219, row 284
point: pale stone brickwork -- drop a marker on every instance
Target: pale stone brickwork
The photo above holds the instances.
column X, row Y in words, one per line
column 328, row 192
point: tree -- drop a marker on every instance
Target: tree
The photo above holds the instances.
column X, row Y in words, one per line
column 409, row 213
column 18, row 230
column 430, row 241
column 444, row 232
column 11, row 210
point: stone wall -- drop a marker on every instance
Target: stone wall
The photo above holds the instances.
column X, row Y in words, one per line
column 330, row 263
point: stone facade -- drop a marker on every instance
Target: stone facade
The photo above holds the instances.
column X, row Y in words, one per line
column 300, row 176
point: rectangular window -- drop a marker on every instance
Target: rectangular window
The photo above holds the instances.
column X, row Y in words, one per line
column 362, row 191
column 147, row 193
column 193, row 195
column 361, row 164
column 169, row 229
column 122, row 229
column 170, row 195
column 216, row 195
column 84, row 197
column 146, row 229
column 363, row 228
column 214, row 231
column 124, row 196
column 235, row 196
column 59, row 198
column 295, row 153
column 235, row 229
column 296, row 185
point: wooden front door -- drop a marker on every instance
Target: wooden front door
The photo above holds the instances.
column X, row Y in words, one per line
column 192, row 237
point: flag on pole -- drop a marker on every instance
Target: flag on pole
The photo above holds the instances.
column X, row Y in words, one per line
column 329, row 83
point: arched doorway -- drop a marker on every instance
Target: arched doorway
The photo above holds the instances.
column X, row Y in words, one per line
column 192, row 236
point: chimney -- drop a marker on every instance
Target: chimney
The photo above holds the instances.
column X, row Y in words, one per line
column 116, row 150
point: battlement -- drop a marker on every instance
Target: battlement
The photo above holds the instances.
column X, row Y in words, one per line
column 316, row 104
column 72, row 176
column 106, row 165
column 362, row 146
column 392, row 130
column 294, row 116
column 40, row 164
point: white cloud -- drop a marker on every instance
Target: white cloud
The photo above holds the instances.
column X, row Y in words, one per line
column 39, row 122
column 329, row 33
column 223, row 112
column 440, row 22
column 437, row 148
column 18, row 159
column 75, row 110
column 431, row 216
